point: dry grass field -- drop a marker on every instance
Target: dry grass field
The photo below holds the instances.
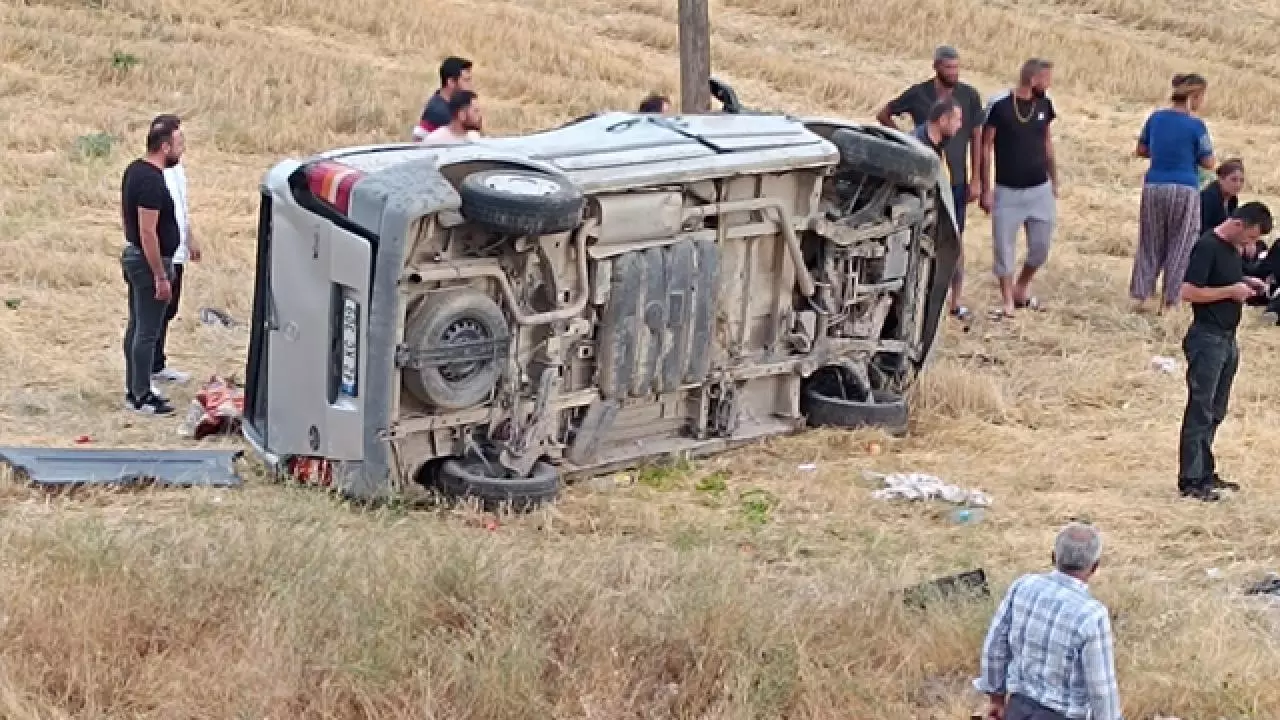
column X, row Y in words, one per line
column 740, row 587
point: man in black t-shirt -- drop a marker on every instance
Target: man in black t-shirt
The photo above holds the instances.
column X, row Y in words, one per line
column 151, row 237
column 455, row 75
column 941, row 124
column 961, row 150
column 1016, row 131
column 1216, row 286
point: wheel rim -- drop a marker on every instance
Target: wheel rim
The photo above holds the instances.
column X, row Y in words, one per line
column 462, row 331
column 522, row 185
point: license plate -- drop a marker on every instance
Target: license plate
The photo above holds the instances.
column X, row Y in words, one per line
column 350, row 346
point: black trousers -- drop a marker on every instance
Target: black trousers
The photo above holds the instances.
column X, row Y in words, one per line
column 1212, row 360
column 160, row 360
column 146, row 318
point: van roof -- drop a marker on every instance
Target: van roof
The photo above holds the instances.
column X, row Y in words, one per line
column 620, row 150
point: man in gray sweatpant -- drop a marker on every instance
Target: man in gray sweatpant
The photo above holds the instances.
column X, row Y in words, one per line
column 1025, row 192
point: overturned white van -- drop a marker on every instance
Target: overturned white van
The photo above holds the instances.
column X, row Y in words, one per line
column 488, row 319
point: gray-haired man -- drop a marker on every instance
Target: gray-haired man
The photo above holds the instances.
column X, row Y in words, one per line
column 960, row 150
column 1049, row 653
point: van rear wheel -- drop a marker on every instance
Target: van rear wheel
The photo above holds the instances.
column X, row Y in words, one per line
column 493, row 485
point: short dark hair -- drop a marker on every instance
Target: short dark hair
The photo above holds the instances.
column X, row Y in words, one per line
column 1033, row 67
column 161, row 131
column 653, row 102
column 460, row 101
column 1185, row 85
column 452, row 69
column 941, row 109
column 1254, row 214
column 1230, row 166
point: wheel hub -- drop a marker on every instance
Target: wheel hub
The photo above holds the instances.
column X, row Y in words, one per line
column 524, row 185
column 461, row 332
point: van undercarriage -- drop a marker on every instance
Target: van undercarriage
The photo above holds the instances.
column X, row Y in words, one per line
column 525, row 321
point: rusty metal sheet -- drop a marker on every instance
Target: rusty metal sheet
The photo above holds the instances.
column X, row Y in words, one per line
column 63, row 467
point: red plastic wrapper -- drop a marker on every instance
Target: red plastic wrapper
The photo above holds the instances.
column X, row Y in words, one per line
column 217, row 410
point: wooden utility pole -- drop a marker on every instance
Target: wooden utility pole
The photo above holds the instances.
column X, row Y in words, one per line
column 695, row 57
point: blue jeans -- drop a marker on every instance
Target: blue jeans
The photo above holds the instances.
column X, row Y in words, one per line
column 146, row 320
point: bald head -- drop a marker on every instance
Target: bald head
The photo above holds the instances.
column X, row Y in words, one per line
column 1077, row 549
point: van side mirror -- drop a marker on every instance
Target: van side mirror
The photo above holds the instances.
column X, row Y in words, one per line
column 728, row 98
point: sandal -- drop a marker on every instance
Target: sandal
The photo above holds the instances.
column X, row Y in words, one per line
column 1031, row 303
column 962, row 313
column 998, row 314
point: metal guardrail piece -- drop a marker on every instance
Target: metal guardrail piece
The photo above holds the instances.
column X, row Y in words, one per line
column 63, row 467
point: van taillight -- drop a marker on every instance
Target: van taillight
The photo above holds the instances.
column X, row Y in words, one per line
column 331, row 183
column 310, row 471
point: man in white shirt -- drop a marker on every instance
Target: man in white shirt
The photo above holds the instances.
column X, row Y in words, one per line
column 466, row 124
column 175, row 177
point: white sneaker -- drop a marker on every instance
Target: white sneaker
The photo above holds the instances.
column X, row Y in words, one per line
column 171, row 376
column 156, row 391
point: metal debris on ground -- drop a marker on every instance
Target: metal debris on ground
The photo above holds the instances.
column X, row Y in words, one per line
column 70, row 467
column 1268, row 586
column 919, row 486
column 972, row 583
column 214, row 316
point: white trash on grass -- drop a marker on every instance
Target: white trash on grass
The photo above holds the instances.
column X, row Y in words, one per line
column 920, row 486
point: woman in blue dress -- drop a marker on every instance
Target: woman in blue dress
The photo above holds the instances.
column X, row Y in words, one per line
column 1177, row 143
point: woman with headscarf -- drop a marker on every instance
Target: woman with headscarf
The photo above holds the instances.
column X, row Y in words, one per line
column 1176, row 142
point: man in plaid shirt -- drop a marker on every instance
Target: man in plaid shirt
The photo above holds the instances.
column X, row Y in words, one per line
column 1048, row 654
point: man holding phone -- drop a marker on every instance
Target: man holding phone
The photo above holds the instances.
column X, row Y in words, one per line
column 1216, row 287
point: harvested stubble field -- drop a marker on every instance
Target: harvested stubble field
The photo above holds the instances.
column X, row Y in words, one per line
column 739, row 587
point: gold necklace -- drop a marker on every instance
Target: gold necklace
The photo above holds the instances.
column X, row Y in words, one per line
column 1030, row 112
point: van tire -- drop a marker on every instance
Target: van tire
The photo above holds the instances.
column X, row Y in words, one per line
column 455, row 315
column 461, row 478
column 511, row 201
column 904, row 163
column 824, row 406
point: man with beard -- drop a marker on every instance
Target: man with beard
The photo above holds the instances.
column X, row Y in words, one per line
column 944, row 120
column 466, row 121
column 961, row 149
column 152, row 236
column 1025, row 192
column 455, row 76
